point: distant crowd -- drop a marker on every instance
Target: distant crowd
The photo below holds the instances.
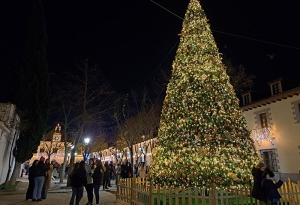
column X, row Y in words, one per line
column 94, row 174
column 91, row 176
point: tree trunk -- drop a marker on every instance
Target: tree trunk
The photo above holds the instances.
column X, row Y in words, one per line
column 10, row 158
column 15, row 174
column 62, row 175
column 131, row 157
column 71, row 165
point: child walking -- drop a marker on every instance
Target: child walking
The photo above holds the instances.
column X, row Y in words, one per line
column 271, row 189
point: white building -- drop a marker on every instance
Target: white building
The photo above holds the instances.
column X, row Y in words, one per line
column 9, row 121
column 142, row 152
column 275, row 127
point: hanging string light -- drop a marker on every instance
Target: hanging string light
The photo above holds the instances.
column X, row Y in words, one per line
column 262, row 134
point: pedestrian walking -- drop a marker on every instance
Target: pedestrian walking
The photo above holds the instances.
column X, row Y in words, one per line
column 31, row 176
column 78, row 180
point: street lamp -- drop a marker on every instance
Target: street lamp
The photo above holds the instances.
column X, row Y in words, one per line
column 86, row 154
column 86, row 141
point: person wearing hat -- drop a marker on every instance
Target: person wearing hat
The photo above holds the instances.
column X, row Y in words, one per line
column 40, row 174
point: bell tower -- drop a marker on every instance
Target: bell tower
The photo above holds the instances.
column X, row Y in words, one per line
column 57, row 134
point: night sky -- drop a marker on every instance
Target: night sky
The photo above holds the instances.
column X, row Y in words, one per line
column 132, row 40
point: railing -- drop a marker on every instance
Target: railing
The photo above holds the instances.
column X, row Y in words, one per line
column 142, row 192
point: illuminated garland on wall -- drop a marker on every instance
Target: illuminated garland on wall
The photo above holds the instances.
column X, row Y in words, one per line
column 262, row 134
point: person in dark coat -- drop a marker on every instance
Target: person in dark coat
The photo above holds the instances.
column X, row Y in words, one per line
column 271, row 189
column 106, row 175
column 97, row 179
column 112, row 173
column 124, row 173
column 78, row 180
column 129, row 170
column 31, row 174
column 39, row 178
column 259, row 173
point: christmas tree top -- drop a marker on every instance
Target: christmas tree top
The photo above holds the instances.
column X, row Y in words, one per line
column 202, row 137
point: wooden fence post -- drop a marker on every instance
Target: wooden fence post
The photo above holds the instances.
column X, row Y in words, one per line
column 151, row 200
column 118, row 187
column 213, row 194
column 132, row 188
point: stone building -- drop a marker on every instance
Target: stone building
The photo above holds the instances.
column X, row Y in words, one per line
column 274, row 122
column 9, row 122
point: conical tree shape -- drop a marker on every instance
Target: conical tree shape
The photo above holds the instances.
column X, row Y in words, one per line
column 202, row 137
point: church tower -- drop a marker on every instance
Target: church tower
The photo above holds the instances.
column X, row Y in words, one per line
column 57, row 134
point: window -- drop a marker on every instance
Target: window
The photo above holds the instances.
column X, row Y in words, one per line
column 246, row 99
column 276, row 88
column 269, row 158
column 263, row 120
column 296, row 111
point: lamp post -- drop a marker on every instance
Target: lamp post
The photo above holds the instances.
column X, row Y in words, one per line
column 86, row 153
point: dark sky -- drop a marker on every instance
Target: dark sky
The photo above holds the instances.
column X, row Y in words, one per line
column 131, row 40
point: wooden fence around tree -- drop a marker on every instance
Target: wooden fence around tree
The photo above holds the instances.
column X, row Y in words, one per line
column 142, row 192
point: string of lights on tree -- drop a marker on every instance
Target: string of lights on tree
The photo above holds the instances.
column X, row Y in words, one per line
column 202, row 137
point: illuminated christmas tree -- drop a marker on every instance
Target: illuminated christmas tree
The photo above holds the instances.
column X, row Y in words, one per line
column 202, row 137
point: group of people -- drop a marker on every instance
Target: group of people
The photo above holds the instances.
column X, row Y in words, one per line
column 91, row 176
column 264, row 189
column 39, row 175
column 94, row 174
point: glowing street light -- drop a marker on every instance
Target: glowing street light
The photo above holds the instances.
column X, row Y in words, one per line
column 86, row 153
column 87, row 141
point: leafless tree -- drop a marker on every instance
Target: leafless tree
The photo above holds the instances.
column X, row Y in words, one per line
column 239, row 79
column 65, row 104
column 88, row 99
column 137, row 121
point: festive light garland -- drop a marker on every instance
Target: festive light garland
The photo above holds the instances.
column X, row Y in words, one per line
column 202, row 138
column 262, row 134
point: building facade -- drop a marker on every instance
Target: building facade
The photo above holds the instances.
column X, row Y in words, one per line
column 9, row 122
column 142, row 152
column 275, row 127
column 52, row 147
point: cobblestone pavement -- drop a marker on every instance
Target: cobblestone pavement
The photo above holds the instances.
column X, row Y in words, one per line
column 57, row 195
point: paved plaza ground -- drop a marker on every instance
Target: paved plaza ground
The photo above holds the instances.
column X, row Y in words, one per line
column 56, row 195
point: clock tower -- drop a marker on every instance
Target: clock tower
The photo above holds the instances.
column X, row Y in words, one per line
column 57, row 134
